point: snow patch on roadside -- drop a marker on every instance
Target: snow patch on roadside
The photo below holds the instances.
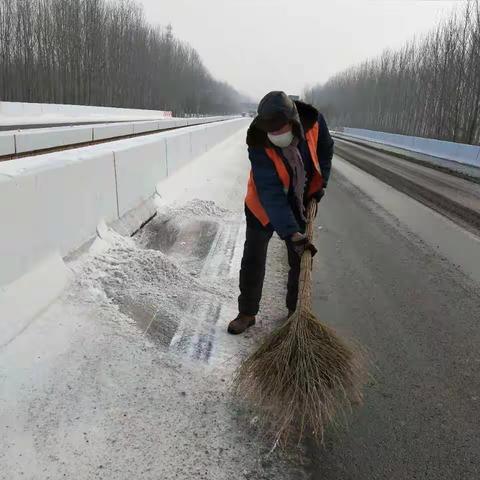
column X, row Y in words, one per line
column 146, row 285
column 193, row 208
column 90, row 396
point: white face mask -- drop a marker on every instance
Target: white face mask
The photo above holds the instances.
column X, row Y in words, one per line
column 283, row 140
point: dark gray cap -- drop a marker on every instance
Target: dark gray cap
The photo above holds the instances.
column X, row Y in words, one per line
column 275, row 110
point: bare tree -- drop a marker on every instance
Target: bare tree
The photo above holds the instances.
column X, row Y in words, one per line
column 95, row 52
column 429, row 88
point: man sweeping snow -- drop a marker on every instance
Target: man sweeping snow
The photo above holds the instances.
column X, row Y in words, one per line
column 290, row 150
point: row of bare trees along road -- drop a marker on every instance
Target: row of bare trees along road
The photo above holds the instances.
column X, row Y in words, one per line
column 95, row 52
column 429, row 88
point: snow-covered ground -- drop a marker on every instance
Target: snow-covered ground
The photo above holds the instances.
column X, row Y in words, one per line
column 127, row 374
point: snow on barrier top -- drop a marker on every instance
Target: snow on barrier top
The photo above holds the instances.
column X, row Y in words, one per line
column 50, row 205
column 16, row 113
column 457, row 152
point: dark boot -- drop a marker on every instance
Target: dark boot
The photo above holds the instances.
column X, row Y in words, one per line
column 241, row 323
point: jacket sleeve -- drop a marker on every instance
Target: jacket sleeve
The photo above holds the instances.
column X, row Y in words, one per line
column 271, row 193
column 324, row 149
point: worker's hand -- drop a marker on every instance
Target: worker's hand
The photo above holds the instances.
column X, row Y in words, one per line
column 319, row 195
column 300, row 244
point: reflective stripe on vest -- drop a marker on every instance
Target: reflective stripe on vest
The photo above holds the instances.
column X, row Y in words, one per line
column 253, row 200
column 316, row 183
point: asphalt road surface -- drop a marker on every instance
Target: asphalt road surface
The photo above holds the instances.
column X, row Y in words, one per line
column 453, row 196
column 418, row 314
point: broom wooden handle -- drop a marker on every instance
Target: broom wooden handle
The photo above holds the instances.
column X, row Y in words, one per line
column 311, row 213
column 305, row 278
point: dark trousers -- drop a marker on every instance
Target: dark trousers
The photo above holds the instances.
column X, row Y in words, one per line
column 252, row 272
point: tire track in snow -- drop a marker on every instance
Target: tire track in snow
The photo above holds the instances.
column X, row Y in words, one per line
column 199, row 341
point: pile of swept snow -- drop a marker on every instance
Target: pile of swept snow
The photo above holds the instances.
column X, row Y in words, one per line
column 147, row 285
column 194, row 208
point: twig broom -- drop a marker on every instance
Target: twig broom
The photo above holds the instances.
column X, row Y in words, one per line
column 302, row 374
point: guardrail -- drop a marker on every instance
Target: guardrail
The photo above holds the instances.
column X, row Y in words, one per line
column 457, row 152
column 53, row 204
column 17, row 142
column 50, row 112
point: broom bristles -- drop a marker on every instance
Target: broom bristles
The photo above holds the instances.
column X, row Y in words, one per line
column 303, row 374
column 301, row 377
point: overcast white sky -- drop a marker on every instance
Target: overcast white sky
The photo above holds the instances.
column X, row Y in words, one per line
column 263, row 45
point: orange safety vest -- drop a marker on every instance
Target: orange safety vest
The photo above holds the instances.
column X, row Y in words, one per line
column 253, row 200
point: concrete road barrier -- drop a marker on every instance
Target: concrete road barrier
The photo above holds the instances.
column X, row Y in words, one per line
column 172, row 123
column 15, row 113
column 179, row 150
column 32, row 140
column 139, row 166
column 142, row 127
column 457, row 152
column 101, row 132
column 48, row 209
column 199, row 140
column 7, row 143
column 53, row 203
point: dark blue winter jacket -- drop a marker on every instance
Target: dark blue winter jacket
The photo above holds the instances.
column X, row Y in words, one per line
column 280, row 205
